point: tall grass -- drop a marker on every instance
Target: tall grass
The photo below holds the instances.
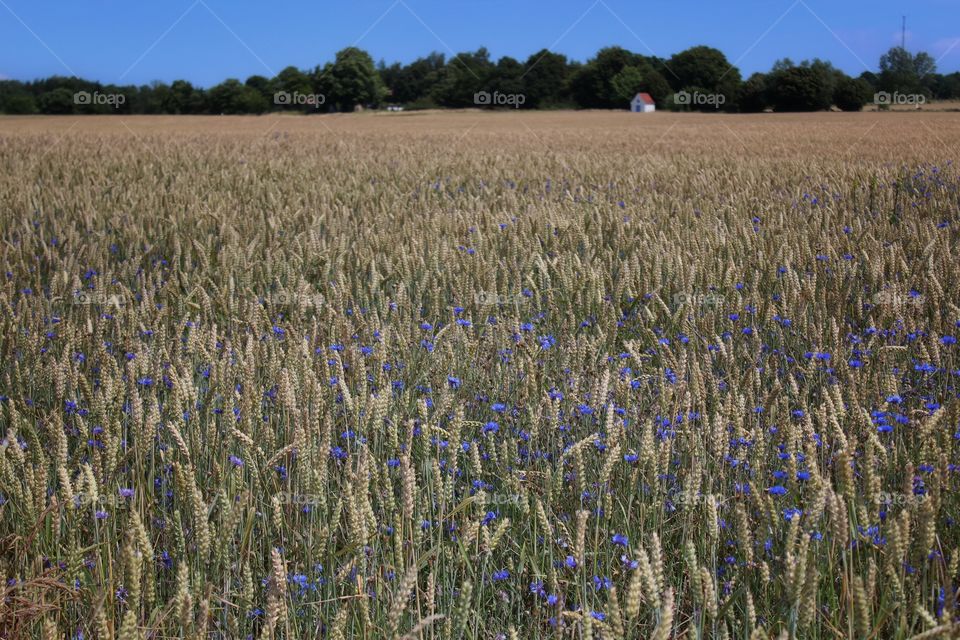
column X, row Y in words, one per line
column 570, row 381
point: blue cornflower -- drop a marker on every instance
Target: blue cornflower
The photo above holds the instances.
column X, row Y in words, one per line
column 600, row 583
column 790, row 513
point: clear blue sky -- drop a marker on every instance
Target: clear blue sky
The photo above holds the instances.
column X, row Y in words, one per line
column 206, row 41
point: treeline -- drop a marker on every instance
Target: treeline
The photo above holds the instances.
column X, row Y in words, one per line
column 699, row 78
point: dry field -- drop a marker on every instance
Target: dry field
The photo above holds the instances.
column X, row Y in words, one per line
column 480, row 375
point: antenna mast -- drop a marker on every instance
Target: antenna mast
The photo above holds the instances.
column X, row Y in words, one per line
column 903, row 34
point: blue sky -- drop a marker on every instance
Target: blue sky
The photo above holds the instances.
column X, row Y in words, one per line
column 206, row 41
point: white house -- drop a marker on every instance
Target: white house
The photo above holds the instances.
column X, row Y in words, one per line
column 643, row 103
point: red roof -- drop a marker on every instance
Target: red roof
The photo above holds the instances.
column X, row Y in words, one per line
column 645, row 97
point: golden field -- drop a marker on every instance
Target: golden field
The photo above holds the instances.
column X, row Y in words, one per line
column 480, row 375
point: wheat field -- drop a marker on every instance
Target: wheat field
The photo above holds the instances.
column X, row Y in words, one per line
column 480, row 375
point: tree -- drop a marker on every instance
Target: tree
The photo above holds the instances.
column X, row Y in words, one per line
column 290, row 89
column 850, row 94
column 829, row 75
column 183, row 98
column 19, row 103
column 233, row 97
column 800, row 88
column 462, row 77
column 354, row 80
column 413, row 83
column 656, row 84
column 15, row 98
column 149, row 99
column 506, row 78
column 870, row 78
column 753, row 94
column 782, row 65
column 708, row 69
column 626, row 84
column 902, row 72
column 58, row 102
column 947, row 87
column 634, row 79
column 924, row 64
column 262, row 85
column 545, row 79
column 592, row 84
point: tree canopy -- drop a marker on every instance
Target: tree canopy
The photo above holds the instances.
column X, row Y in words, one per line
column 700, row 77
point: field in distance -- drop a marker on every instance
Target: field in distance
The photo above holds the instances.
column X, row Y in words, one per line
column 480, row 375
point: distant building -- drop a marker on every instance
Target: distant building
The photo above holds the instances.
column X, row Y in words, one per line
column 643, row 103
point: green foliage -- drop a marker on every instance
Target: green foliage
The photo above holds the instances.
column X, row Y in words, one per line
column 57, row 102
column 354, row 80
column 753, row 94
column 707, row 69
column 546, row 79
column 906, row 73
column 463, row 76
column 802, row 88
column 851, row 94
column 233, row 97
column 15, row 100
